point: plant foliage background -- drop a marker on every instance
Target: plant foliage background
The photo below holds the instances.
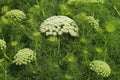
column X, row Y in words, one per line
column 66, row 58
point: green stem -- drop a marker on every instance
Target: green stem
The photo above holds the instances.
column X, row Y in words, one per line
column 116, row 10
column 106, row 46
column 38, row 67
column 58, row 47
column 5, row 72
column 31, row 67
column 36, row 44
column 5, row 55
column 37, row 2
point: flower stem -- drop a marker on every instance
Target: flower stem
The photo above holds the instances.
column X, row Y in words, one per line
column 5, row 55
column 5, row 72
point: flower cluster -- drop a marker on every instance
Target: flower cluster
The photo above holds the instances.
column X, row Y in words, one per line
column 2, row 44
column 16, row 15
column 57, row 25
column 85, row 1
column 101, row 67
column 24, row 56
column 93, row 1
column 92, row 21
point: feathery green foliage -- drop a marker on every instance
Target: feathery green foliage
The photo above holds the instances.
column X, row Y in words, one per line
column 94, row 34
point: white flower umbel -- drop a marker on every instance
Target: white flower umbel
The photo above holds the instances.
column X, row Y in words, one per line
column 2, row 44
column 100, row 67
column 24, row 56
column 58, row 25
column 16, row 15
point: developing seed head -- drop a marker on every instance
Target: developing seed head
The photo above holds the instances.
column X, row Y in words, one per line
column 57, row 25
column 24, row 56
column 2, row 44
column 15, row 15
column 100, row 67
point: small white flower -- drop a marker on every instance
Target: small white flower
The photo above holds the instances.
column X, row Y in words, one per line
column 60, row 33
column 73, row 33
column 54, row 33
column 47, row 33
column 42, row 30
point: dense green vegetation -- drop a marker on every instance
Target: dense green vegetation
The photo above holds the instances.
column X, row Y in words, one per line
column 61, row 57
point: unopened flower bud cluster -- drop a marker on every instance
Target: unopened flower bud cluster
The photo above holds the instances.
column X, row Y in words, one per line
column 2, row 44
column 24, row 56
column 57, row 25
column 16, row 15
column 93, row 1
column 101, row 67
column 85, row 1
column 92, row 21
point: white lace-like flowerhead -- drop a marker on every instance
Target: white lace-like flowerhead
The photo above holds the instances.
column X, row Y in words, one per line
column 2, row 44
column 16, row 15
column 24, row 56
column 100, row 67
column 58, row 25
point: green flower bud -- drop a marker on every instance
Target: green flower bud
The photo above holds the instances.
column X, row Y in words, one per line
column 68, row 76
column 83, row 40
column 14, row 43
column 71, row 59
column 110, row 27
column 98, row 49
column 4, row 9
column 4, row 20
column 53, row 39
column 36, row 34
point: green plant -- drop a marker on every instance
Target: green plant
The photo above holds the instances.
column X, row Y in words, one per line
column 59, row 39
